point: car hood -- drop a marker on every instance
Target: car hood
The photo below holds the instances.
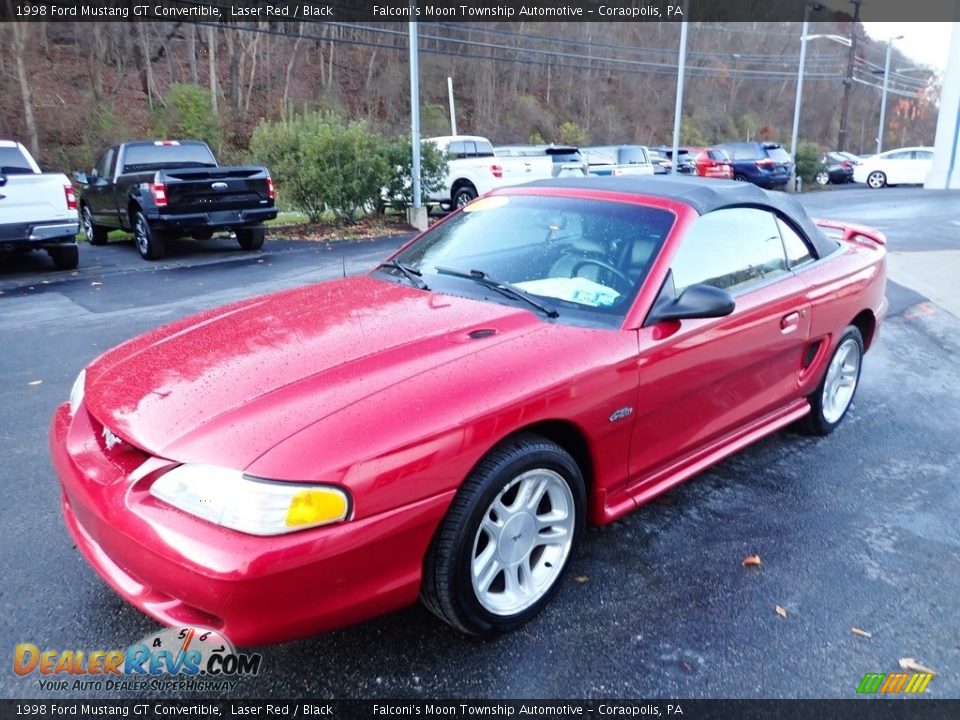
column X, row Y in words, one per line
column 225, row 386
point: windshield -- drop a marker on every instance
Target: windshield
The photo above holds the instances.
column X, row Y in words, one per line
column 586, row 259
column 156, row 157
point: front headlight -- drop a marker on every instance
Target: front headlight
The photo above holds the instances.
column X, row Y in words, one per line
column 76, row 392
column 258, row 507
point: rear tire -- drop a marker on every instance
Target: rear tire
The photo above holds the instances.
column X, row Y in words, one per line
column 501, row 552
column 96, row 235
column 740, row 178
column 65, row 257
column 149, row 242
column 834, row 395
column 250, row 238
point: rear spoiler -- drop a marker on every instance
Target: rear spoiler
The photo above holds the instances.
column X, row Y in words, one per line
column 850, row 231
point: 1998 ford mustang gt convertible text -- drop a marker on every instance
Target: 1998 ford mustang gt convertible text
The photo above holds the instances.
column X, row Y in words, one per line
column 553, row 354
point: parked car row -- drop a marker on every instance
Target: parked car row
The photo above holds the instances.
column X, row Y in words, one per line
column 476, row 166
column 155, row 189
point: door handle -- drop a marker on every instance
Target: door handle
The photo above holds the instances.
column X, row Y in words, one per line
column 789, row 322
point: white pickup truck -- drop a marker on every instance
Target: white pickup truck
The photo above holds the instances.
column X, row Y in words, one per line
column 38, row 211
column 475, row 169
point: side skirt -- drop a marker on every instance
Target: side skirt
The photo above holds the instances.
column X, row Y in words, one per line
column 641, row 492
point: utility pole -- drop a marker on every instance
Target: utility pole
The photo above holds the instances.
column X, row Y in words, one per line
column 848, row 80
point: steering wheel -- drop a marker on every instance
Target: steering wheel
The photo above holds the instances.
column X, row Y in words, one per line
column 615, row 271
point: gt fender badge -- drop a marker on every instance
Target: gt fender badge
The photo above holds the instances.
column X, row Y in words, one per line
column 621, row 414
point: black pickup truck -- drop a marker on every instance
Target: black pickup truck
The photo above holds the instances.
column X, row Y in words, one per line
column 158, row 189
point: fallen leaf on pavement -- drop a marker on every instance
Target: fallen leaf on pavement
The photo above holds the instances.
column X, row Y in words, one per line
column 582, row 578
column 752, row 561
column 913, row 666
column 34, row 382
column 861, row 633
column 781, row 611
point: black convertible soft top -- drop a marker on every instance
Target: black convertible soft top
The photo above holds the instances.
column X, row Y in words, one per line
column 703, row 195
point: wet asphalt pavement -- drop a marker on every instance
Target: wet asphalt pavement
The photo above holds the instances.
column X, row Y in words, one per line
column 855, row 530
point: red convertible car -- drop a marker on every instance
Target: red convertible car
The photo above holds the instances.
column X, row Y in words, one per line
column 554, row 354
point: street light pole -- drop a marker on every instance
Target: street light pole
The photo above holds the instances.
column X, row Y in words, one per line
column 883, row 97
column 415, row 114
column 678, row 107
column 796, row 104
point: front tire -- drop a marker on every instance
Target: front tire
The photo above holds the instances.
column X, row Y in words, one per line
column 876, row 180
column 250, row 238
column 740, row 178
column 149, row 243
column 822, row 178
column 503, row 548
column 96, row 235
column 834, row 395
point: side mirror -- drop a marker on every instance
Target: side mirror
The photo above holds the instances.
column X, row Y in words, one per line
column 80, row 177
column 697, row 301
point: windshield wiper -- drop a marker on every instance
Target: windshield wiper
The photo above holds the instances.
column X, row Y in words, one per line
column 504, row 288
column 411, row 274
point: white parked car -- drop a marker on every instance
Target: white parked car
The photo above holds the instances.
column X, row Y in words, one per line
column 905, row 166
column 474, row 169
column 38, row 211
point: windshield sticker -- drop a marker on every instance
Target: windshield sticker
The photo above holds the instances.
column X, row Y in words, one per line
column 488, row 203
column 576, row 289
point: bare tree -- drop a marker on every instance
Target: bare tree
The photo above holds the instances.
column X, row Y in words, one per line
column 192, row 52
column 291, row 63
column 212, row 55
column 20, row 35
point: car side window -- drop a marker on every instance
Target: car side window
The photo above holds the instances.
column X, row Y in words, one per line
column 730, row 249
column 900, row 155
column 923, row 154
column 798, row 252
column 456, row 150
column 105, row 163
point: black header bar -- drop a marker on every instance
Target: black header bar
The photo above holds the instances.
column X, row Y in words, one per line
column 475, row 11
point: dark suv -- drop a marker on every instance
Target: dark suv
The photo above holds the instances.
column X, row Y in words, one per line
column 763, row 163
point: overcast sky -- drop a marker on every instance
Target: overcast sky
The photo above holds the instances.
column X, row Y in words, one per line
column 925, row 42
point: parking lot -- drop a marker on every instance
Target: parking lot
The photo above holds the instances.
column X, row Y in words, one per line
column 856, row 530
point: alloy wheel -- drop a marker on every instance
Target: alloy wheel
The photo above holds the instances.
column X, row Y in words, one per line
column 841, row 382
column 523, row 542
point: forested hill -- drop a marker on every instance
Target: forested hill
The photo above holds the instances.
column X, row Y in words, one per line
column 71, row 88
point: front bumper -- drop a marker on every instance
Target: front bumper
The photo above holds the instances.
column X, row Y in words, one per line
column 214, row 220
column 181, row 570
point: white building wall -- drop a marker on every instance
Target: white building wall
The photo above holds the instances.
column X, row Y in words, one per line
column 945, row 172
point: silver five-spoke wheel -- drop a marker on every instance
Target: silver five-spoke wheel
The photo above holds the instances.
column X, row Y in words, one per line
column 832, row 398
column 842, row 375
column 522, row 544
